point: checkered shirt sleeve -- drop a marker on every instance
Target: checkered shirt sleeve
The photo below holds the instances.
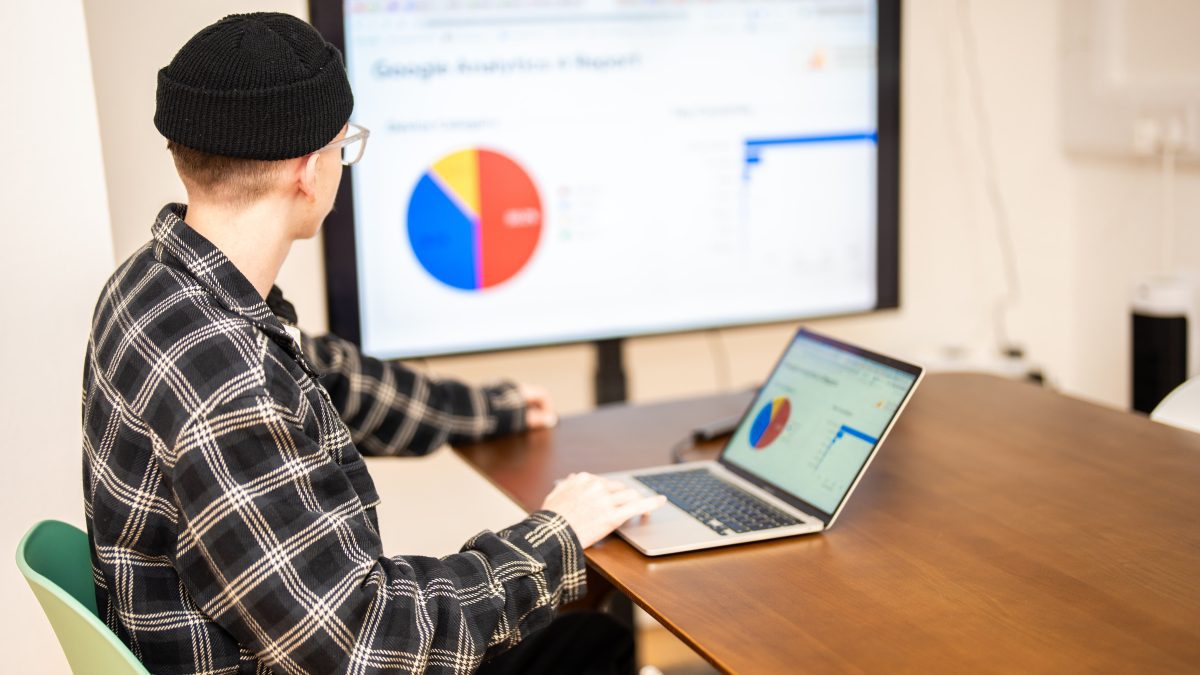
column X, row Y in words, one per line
column 392, row 409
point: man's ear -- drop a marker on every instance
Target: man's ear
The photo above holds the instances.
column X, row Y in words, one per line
column 306, row 178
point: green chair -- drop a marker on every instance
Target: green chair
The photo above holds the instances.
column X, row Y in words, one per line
column 56, row 561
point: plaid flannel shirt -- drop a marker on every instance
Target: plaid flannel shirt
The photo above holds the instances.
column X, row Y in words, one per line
column 231, row 516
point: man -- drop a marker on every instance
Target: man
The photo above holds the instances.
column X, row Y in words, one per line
column 231, row 516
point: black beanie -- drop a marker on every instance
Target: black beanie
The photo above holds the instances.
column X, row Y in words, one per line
column 254, row 86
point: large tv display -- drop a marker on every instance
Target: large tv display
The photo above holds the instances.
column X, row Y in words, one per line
column 549, row 171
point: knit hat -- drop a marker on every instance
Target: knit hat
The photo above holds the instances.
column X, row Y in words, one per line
column 254, row 86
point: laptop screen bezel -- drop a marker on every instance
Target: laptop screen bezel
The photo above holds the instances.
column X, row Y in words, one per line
column 782, row 493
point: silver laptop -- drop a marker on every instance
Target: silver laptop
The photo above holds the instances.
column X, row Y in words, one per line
column 798, row 453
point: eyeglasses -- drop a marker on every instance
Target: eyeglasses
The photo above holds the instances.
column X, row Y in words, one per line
column 352, row 145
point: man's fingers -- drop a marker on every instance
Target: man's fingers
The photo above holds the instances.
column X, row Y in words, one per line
column 641, row 506
column 625, row 495
column 537, row 400
column 571, row 480
column 615, row 486
column 537, row 418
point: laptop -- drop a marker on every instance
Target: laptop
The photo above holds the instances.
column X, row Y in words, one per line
column 796, row 456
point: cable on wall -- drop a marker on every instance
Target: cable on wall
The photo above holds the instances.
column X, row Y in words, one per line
column 1012, row 295
column 1168, row 207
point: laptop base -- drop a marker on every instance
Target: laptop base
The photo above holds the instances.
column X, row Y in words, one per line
column 673, row 530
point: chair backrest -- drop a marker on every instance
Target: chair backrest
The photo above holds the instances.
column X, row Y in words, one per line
column 56, row 560
column 1181, row 408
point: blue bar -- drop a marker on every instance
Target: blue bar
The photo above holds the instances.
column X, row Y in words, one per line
column 855, row 433
column 753, row 145
column 821, row 138
column 841, row 433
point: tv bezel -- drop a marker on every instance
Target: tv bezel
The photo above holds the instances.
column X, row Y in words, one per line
column 341, row 273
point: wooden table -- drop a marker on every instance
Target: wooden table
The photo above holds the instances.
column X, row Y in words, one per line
column 1001, row 528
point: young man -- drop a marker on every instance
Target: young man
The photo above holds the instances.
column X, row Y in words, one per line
column 231, row 516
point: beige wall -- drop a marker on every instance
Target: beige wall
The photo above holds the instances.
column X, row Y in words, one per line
column 55, row 257
column 1083, row 229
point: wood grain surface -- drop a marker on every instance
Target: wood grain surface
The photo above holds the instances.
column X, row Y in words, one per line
column 1002, row 527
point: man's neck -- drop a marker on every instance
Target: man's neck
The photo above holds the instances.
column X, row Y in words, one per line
column 256, row 238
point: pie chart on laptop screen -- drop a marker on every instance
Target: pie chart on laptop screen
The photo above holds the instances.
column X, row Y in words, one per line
column 770, row 422
column 474, row 219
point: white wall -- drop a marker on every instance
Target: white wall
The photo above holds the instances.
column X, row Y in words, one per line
column 131, row 40
column 57, row 252
column 1078, row 225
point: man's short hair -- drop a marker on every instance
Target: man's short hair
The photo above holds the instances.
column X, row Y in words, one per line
column 230, row 179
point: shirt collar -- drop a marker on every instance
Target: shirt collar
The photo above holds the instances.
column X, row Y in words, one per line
column 217, row 273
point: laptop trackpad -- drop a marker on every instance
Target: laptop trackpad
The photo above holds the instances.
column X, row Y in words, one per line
column 667, row 526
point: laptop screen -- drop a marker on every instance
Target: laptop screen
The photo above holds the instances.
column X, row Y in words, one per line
column 818, row 418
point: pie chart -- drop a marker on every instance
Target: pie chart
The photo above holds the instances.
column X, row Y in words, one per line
column 474, row 219
column 769, row 422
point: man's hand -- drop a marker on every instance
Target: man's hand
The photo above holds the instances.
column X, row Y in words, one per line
column 539, row 412
column 596, row 506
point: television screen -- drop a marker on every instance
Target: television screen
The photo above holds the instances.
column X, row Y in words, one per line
column 547, row 171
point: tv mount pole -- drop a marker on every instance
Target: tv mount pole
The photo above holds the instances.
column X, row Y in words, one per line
column 610, row 387
column 610, row 383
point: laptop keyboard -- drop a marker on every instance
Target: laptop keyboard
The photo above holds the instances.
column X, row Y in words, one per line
column 723, row 507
